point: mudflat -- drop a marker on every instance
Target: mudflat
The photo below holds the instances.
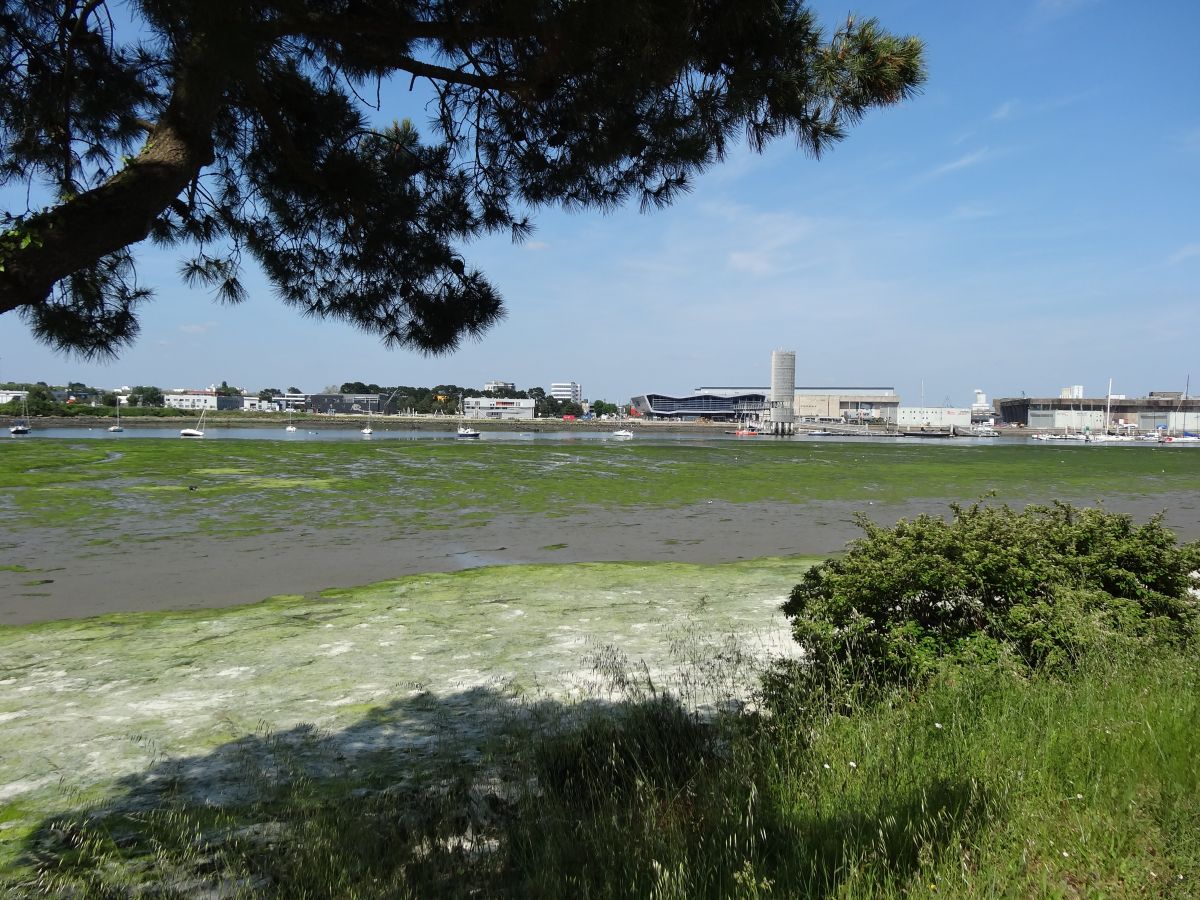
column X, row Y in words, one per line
column 159, row 526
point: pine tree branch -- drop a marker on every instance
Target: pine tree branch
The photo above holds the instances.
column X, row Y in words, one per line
column 120, row 211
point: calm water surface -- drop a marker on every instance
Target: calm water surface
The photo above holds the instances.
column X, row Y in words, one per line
column 308, row 433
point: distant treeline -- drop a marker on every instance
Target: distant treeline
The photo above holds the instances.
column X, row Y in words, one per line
column 78, row 399
column 445, row 398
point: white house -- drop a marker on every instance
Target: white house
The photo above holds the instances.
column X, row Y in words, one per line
column 496, row 408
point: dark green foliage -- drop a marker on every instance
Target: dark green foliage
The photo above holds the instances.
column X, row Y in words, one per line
column 1040, row 587
column 655, row 743
column 235, row 130
column 146, row 395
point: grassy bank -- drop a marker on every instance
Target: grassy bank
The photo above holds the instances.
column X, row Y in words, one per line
column 985, row 785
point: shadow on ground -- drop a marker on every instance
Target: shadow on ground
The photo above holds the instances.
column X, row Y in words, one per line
column 476, row 794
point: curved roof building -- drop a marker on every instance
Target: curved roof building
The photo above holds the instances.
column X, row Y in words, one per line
column 727, row 405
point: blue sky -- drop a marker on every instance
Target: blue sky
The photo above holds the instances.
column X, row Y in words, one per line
column 1031, row 220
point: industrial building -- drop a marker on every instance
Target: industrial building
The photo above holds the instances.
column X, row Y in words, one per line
column 496, row 408
column 844, row 403
column 496, row 387
column 1160, row 411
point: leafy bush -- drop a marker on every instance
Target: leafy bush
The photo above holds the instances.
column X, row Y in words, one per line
column 1042, row 586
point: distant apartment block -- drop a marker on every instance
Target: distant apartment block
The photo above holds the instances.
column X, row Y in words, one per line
column 493, row 387
column 567, row 391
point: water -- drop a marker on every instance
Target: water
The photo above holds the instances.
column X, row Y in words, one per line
column 338, row 432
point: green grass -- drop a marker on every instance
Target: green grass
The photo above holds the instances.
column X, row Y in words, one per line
column 983, row 785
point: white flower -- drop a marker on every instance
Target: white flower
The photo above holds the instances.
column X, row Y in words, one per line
column 826, row 766
column 937, row 724
column 853, row 764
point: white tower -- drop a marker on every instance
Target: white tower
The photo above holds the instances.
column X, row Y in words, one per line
column 783, row 391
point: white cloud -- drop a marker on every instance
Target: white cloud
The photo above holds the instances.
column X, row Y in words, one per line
column 198, row 327
column 1004, row 110
column 1185, row 252
column 963, row 162
column 537, row 245
column 766, row 240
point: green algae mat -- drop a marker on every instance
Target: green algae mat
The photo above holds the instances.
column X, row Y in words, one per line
column 116, row 710
column 105, row 491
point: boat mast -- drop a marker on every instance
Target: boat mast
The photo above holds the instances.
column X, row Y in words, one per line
column 1108, row 407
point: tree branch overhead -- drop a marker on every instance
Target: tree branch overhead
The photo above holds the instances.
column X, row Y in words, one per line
column 585, row 103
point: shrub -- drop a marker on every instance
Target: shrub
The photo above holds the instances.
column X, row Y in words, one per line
column 1042, row 586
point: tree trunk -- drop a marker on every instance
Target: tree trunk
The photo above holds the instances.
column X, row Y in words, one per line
column 120, row 212
column 103, row 220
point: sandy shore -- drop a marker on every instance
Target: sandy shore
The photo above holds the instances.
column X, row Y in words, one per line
column 204, row 572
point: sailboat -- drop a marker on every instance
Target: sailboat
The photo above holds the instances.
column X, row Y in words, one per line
column 198, row 431
column 290, row 426
column 117, row 427
column 21, row 425
column 368, row 431
column 464, row 430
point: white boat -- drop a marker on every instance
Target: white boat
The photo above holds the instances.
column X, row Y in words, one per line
column 290, row 426
column 368, row 430
column 21, row 425
column 117, row 427
column 622, row 433
column 198, row 431
column 465, row 430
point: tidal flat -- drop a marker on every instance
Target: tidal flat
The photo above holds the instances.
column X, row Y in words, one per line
column 114, row 712
column 528, row 575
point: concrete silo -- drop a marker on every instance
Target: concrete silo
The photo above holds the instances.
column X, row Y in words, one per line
column 783, row 391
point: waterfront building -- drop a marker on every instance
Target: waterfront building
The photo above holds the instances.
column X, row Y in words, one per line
column 981, row 411
column 495, row 387
column 349, row 404
column 847, row 403
column 496, row 408
column 1160, row 411
column 567, row 391
column 740, row 403
column 932, row 417
column 292, row 401
column 726, row 404
column 200, row 400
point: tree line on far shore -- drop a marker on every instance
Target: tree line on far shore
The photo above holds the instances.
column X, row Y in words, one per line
column 76, row 398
